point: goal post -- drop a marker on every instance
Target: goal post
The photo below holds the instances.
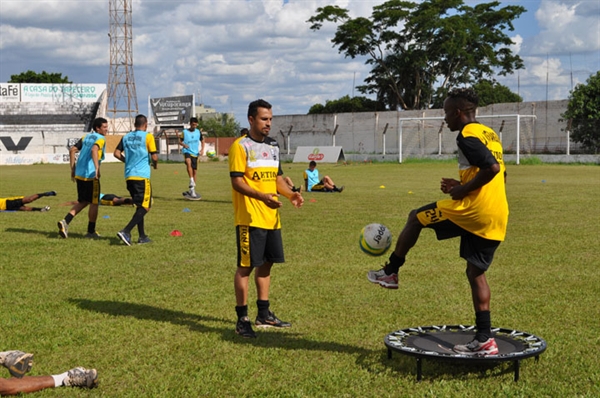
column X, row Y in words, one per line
column 425, row 135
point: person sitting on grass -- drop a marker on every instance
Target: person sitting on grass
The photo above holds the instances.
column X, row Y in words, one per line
column 19, row 202
column 18, row 363
column 314, row 184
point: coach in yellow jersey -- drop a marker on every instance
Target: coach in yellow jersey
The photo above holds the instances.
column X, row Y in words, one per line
column 257, row 181
column 477, row 212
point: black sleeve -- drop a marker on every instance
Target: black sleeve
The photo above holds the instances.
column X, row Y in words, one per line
column 79, row 144
column 476, row 152
column 120, row 146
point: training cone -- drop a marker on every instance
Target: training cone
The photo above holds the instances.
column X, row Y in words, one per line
column 186, row 210
column 176, row 232
column 382, row 186
column 312, row 200
column 410, row 192
column 107, row 216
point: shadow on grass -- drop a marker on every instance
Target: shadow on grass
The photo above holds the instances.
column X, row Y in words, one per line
column 371, row 360
column 182, row 199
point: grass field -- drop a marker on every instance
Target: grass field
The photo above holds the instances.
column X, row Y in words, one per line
column 158, row 319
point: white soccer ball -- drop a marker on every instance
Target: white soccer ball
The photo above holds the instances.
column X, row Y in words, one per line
column 375, row 239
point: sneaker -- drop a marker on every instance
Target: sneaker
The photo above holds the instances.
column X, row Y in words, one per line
column 194, row 196
column 18, row 363
column 81, row 377
column 144, row 239
column 125, row 237
column 475, row 347
column 92, row 235
column 50, row 193
column 186, row 193
column 340, row 189
column 387, row 281
column 244, row 328
column 271, row 321
column 45, row 209
column 63, row 229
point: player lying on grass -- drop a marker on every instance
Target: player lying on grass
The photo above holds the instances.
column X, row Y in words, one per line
column 19, row 202
column 109, row 199
column 18, row 363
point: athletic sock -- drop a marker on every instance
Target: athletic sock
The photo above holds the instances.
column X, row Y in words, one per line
column 394, row 264
column 263, row 308
column 69, row 218
column 91, row 227
column 135, row 220
column 241, row 311
column 59, row 379
column 483, row 321
column 140, row 226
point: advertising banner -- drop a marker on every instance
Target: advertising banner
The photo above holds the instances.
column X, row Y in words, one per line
column 61, row 92
column 322, row 154
column 10, row 92
column 172, row 111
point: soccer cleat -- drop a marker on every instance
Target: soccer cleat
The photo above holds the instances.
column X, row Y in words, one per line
column 271, row 321
column 18, row 363
column 125, row 237
column 92, row 235
column 144, row 239
column 387, row 281
column 63, row 229
column 49, row 193
column 244, row 328
column 478, row 348
column 45, row 209
column 186, row 193
column 81, row 377
column 194, row 196
column 341, row 189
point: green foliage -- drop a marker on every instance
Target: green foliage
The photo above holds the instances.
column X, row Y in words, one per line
column 158, row 320
column 583, row 112
column 44, row 77
column 225, row 126
column 420, row 50
column 489, row 92
column 347, row 104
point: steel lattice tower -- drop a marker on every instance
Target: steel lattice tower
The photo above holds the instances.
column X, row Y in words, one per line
column 122, row 104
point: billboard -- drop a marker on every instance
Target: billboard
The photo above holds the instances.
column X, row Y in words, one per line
column 172, row 111
column 33, row 92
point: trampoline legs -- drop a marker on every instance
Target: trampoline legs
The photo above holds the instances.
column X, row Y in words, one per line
column 517, row 371
column 419, row 370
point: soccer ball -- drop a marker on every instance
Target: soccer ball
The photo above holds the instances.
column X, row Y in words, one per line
column 211, row 153
column 375, row 239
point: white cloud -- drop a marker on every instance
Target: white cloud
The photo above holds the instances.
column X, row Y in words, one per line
column 230, row 52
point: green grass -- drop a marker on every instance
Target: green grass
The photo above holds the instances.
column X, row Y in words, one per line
column 158, row 319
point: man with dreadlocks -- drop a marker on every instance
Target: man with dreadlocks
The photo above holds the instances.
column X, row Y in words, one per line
column 477, row 211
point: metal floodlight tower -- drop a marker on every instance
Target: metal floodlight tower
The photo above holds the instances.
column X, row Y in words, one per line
column 122, row 104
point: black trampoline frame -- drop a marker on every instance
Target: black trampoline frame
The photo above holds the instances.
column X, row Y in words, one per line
column 529, row 344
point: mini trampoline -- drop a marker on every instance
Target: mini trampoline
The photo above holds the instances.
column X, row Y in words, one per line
column 436, row 342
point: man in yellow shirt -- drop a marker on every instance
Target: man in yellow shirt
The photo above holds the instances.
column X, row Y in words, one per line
column 257, row 181
column 477, row 212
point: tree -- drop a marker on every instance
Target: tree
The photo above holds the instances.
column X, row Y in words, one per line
column 347, row 104
column 419, row 51
column 583, row 113
column 489, row 92
column 223, row 126
column 44, row 77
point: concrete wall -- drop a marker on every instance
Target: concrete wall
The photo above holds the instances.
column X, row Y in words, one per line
column 380, row 132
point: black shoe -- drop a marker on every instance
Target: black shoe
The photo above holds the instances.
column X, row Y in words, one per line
column 49, row 193
column 271, row 321
column 244, row 328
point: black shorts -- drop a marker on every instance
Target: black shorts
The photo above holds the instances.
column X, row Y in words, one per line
column 141, row 192
column 193, row 160
column 475, row 249
column 320, row 187
column 88, row 191
column 14, row 204
column 257, row 246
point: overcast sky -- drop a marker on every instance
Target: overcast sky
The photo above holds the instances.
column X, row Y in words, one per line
column 230, row 52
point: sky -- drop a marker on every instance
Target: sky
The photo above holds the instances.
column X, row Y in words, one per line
column 231, row 52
